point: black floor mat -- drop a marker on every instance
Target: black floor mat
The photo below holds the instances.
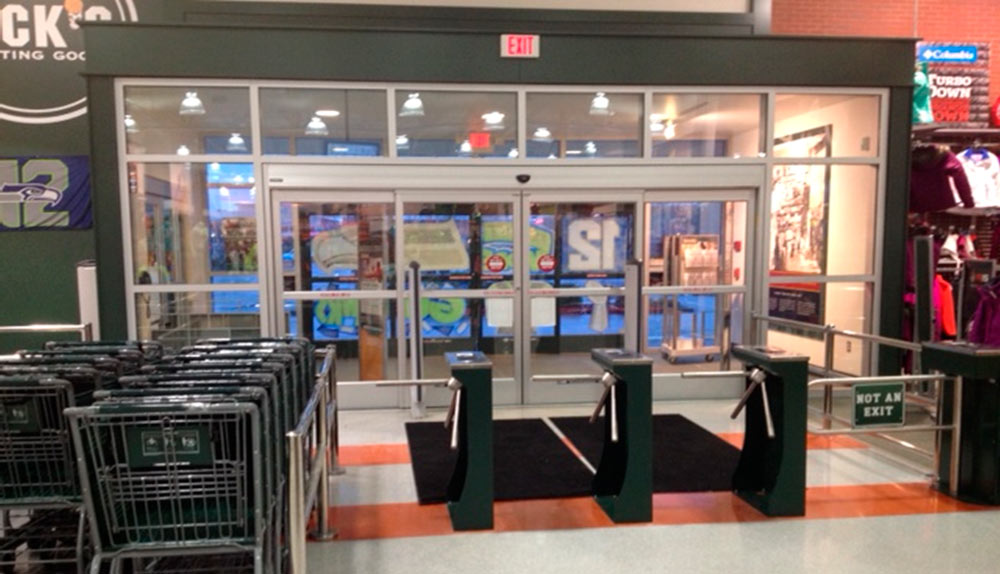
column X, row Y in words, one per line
column 530, row 461
column 686, row 457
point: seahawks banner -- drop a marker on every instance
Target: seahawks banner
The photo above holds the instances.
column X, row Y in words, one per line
column 45, row 193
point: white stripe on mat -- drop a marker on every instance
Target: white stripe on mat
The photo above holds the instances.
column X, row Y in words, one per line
column 569, row 444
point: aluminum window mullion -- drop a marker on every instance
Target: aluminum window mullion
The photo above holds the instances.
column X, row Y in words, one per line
column 128, row 255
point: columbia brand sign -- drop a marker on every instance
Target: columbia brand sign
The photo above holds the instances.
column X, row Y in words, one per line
column 956, row 54
column 959, row 77
column 41, row 42
column 520, row 46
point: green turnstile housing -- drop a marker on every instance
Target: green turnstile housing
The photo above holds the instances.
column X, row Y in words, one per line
column 470, row 491
column 976, row 477
column 771, row 474
column 623, row 485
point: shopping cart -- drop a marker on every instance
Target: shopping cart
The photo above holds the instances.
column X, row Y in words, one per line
column 167, row 479
column 151, row 350
column 40, row 506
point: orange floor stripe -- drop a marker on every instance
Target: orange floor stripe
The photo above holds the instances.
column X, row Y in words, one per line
column 812, row 441
column 410, row 519
column 396, row 520
column 363, row 454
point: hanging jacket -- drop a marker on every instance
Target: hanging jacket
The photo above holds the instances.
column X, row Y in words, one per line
column 984, row 328
column 982, row 168
column 933, row 172
column 945, row 306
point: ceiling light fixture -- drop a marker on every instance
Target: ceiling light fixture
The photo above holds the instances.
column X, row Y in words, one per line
column 191, row 105
column 224, row 191
column 656, row 123
column 328, row 113
column 590, row 148
column 600, row 105
column 412, row 107
column 670, row 131
column 542, row 133
column 402, row 140
column 466, row 147
column 130, row 126
column 494, row 120
column 183, row 150
column 316, row 127
column 512, row 153
column 236, row 143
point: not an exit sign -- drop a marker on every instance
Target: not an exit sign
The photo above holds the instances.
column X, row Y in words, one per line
column 879, row 404
column 520, row 46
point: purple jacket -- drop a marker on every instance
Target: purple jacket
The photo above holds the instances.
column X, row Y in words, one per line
column 984, row 328
column 931, row 172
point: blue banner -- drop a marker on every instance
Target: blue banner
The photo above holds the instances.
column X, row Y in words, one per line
column 947, row 53
column 45, row 193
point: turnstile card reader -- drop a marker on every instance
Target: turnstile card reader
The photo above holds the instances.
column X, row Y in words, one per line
column 623, row 485
column 771, row 474
column 470, row 491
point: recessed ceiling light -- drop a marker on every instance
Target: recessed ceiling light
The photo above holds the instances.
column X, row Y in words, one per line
column 466, row 147
column 191, row 105
column 402, row 140
column 512, row 153
column 183, row 150
column 328, row 113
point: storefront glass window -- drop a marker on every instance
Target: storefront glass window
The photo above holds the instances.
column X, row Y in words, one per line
column 822, row 219
column 584, row 125
column 177, row 319
column 826, row 125
column 706, row 125
column 187, row 120
column 296, row 121
column 456, row 124
column 193, row 223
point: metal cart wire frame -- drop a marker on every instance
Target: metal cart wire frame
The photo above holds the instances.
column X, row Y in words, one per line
column 130, row 359
column 169, row 480
column 223, row 394
column 38, row 475
column 151, row 350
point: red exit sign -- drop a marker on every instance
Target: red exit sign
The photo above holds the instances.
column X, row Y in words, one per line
column 520, row 46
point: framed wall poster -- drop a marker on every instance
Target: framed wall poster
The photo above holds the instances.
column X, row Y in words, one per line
column 799, row 219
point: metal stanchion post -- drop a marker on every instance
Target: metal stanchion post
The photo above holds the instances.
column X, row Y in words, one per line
column 296, row 506
column 828, row 340
column 323, row 530
column 335, row 468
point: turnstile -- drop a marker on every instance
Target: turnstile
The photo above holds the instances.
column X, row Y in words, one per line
column 771, row 474
column 623, row 485
column 974, row 474
column 470, row 490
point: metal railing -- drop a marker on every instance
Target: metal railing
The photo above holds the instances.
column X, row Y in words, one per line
column 886, row 432
column 830, row 333
column 309, row 462
column 85, row 330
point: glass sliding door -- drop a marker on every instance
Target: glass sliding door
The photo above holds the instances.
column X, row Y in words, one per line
column 464, row 244
column 336, row 270
column 575, row 248
column 698, row 266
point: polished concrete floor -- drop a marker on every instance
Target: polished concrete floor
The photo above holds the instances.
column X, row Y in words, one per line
column 865, row 513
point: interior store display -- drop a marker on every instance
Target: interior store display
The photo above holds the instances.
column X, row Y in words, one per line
column 690, row 329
